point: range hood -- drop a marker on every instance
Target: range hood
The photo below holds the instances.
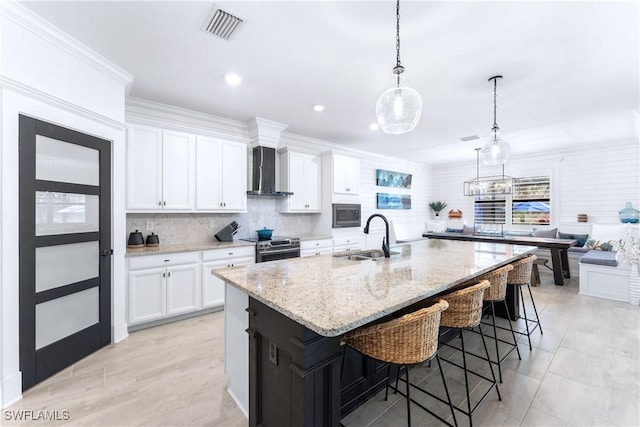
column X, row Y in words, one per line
column 265, row 136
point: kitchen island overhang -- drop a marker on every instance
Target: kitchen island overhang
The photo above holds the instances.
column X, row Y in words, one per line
column 298, row 309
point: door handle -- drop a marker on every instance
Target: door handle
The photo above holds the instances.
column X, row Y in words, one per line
column 107, row 252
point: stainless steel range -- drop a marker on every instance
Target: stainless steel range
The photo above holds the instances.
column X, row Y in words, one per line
column 276, row 248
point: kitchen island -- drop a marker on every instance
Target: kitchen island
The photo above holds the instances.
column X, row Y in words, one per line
column 297, row 310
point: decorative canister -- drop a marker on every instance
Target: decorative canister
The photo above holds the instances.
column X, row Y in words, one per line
column 629, row 214
column 582, row 218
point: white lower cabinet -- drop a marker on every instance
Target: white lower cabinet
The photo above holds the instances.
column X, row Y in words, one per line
column 183, row 289
column 213, row 287
column 315, row 247
column 351, row 243
column 147, row 295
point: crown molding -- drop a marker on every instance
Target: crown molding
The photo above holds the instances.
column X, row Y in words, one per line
column 152, row 113
column 54, row 101
column 30, row 21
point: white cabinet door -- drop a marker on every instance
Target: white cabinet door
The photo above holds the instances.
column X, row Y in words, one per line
column 300, row 174
column 221, row 175
column 178, row 170
column 208, row 173
column 144, row 168
column 147, row 295
column 234, row 176
column 312, row 183
column 183, row 290
column 212, row 287
column 346, row 175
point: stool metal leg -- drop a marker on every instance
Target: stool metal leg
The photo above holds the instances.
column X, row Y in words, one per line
column 466, row 378
column 486, row 351
column 406, row 369
column 513, row 334
column 495, row 337
column 446, row 389
column 535, row 310
column 526, row 319
column 386, row 391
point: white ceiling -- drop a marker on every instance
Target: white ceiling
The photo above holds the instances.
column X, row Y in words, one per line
column 571, row 69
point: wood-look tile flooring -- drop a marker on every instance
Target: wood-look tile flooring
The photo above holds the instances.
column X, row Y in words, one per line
column 584, row 370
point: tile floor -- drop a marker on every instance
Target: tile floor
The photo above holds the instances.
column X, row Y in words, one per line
column 584, row 370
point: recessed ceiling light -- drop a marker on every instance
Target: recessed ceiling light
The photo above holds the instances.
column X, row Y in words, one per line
column 233, row 79
column 374, row 126
column 319, row 107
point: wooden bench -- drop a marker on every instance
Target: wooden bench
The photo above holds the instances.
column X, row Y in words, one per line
column 535, row 274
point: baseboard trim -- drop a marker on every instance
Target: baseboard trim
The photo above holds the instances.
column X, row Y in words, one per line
column 11, row 389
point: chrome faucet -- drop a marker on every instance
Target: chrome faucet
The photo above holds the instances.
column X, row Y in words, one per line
column 385, row 240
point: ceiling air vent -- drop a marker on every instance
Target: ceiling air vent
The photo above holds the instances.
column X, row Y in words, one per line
column 469, row 138
column 222, row 23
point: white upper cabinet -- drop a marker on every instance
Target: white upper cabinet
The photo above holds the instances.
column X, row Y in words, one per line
column 160, row 169
column 178, row 158
column 221, row 175
column 346, row 175
column 300, row 174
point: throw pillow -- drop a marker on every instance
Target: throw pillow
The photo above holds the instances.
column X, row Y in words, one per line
column 467, row 229
column 581, row 238
column 453, row 230
column 592, row 244
column 549, row 234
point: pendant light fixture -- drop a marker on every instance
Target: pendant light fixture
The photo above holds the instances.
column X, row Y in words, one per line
column 398, row 109
column 497, row 151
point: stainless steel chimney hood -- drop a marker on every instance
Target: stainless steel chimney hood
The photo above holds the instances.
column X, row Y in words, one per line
column 265, row 136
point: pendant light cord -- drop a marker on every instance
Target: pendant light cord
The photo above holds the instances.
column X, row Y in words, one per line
column 398, row 64
column 495, row 103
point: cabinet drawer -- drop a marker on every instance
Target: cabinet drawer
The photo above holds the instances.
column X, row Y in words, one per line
column 315, row 244
column 348, row 241
column 163, row 260
column 226, row 253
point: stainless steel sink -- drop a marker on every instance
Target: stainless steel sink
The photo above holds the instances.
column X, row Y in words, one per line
column 371, row 254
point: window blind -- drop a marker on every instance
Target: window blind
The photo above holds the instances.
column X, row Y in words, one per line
column 490, row 210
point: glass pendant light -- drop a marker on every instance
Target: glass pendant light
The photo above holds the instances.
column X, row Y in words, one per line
column 398, row 109
column 497, row 151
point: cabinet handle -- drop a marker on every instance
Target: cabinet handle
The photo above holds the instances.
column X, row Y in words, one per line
column 220, row 204
column 167, row 260
column 169, row 274
column 230, row 253
column 164, row 203
column 224, row 204
column 164, row 274
column 159, row 202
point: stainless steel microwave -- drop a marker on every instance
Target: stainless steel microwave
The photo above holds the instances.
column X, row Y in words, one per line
column 346, row 215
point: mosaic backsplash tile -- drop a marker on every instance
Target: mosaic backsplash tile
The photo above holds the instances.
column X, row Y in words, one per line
column 177, row 228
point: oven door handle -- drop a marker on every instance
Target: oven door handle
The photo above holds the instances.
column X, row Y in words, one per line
column 279, row 251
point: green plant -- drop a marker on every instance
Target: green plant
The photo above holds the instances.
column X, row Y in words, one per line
column 437, row 205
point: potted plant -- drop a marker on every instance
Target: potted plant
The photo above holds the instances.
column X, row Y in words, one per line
column 437, row 206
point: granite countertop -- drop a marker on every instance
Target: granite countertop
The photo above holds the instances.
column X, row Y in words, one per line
column 332, row 295
column 186, row 247
column 306, row 237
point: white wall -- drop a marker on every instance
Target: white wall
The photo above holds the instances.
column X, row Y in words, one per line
column 596, row 180
column 51, row 77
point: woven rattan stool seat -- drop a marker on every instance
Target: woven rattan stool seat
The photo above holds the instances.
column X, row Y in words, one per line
column 498, row 280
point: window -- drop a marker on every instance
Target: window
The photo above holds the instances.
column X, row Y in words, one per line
column 490, row 214
column 531, row 201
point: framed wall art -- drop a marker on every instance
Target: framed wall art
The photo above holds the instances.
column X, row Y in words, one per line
column 393, row 201
column 386, row 178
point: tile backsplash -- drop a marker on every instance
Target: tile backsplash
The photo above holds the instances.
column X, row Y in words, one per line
column 177, row 228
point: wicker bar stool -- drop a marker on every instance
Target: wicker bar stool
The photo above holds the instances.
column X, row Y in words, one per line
column 495, row 294
column 520, row 276
column 407, row 340
column 465, row 312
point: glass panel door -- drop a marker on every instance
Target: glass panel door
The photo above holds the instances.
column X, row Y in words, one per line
column 65, row 247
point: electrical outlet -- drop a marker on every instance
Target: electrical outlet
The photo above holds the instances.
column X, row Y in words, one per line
column 212, row 223
column 149, row 225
